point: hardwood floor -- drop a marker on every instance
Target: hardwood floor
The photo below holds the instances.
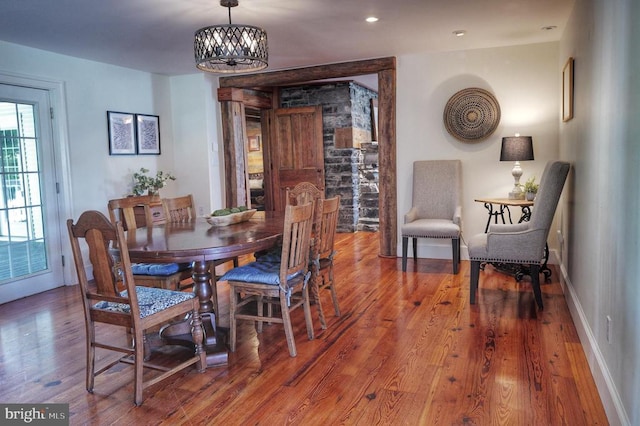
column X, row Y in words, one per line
column 408, row 349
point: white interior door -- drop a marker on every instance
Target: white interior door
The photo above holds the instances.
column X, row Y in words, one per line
column 30, row 245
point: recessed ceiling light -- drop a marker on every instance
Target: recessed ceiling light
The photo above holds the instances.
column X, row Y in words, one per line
column 372, row 19
column 459, row 33
column 549, row 28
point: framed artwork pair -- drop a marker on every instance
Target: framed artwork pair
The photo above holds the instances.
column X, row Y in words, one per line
column 131, row 134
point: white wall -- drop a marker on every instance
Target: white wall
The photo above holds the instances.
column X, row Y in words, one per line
column 525, row 82
column 523, row 79
column 601, row 224
column 191, row 139
column 91, row 90
column 198, row 144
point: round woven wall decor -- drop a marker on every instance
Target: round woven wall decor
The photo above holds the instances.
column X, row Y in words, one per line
column 471, row 115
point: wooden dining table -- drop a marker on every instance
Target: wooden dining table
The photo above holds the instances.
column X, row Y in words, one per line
column 199, row 242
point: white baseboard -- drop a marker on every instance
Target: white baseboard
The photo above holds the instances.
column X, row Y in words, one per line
column 433, row 248
column 609, row 395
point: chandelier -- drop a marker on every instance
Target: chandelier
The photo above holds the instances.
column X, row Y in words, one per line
column 231, row 48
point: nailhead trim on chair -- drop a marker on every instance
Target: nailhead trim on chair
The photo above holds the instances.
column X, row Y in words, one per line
column 503, row 260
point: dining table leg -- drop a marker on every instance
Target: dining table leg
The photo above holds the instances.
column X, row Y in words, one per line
column 180, row 333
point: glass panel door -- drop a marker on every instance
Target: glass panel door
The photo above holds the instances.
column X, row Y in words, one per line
column 29, row 225
column 22, row 245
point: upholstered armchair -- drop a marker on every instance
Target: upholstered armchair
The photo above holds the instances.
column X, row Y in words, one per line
column 522, row 243
column 436, row 210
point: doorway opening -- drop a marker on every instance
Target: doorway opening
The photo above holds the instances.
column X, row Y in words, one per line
column 255, row 158
column 237, row 91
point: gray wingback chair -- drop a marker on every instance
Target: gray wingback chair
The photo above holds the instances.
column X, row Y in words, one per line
column 521, row 243
column 436, row 210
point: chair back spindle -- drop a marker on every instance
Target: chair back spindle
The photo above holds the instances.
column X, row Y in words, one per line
column 179, row 209
column 295, row 240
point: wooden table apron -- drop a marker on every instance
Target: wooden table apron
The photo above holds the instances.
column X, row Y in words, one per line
column 200, row 242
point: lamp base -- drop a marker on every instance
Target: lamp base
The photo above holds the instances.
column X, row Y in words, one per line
column 516, row 194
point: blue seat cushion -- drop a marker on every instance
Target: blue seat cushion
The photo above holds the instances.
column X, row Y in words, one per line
column 271, row 256
column 150, row 299
column 158, row 269
column 257, row 272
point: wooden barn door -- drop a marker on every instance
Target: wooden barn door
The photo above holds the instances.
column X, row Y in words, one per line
column 296, row 150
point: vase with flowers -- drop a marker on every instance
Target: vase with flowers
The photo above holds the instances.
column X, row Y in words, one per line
column 531, row 188
column 143, row 183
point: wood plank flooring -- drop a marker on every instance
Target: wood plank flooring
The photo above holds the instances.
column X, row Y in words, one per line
column 408, row 349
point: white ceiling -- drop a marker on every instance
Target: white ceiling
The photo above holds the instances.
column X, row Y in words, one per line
column 157, row 35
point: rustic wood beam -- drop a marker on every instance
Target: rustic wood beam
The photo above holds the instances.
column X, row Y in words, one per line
column 317, row 72
column 387, row 179
column 233, row 136
column 250, row 98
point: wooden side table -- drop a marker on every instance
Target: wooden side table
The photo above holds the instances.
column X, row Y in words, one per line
column 502, row 206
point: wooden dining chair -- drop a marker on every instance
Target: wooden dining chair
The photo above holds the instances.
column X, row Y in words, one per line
column 162, row 275
column 137, row 308
column 180, row 210
column 305, row 192
column 325, row 253
column 283, row 283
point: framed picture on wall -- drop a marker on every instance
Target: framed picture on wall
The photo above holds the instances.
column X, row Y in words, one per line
column 122, row 133
column 254, row 143
column 148, row 132
column 567, row 90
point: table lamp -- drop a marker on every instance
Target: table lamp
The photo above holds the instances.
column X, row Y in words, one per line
column 516, row 148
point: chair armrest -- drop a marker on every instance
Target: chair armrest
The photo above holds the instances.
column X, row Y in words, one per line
column 516, row 227
column 411, row 215
column 526, row 245
column 457, row 216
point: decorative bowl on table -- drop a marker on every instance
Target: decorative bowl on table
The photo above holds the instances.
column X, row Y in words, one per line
column 230, row 219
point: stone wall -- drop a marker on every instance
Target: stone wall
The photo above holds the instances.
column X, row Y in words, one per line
column 369, row 215
column 346, row 118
